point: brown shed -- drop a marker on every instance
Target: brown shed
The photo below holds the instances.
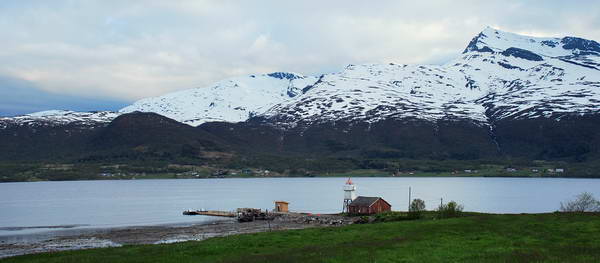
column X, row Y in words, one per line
column 364, row 205
column 281, row 206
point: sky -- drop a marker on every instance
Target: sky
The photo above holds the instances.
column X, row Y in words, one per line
column 105, row 54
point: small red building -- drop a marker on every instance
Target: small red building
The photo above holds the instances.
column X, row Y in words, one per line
column 364, row 205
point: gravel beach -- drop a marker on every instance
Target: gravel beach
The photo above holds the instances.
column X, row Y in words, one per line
column 73, row 239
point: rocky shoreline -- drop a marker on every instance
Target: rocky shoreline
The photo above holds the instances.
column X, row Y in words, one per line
column 114, row 237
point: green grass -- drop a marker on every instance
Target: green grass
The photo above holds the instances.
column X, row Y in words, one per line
column 476, row 238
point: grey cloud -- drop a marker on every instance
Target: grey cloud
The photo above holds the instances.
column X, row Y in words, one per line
column 19, row 97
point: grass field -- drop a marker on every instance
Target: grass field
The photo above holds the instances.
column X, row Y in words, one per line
column 553, row 237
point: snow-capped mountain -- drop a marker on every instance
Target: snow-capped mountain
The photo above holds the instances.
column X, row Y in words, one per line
column 60, row 117
column 230, row 100
column 506, row 95
column 499, row 75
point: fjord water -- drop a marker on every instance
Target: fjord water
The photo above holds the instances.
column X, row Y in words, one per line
column 105, row 204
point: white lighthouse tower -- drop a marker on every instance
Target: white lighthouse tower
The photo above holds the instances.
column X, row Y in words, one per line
column 349, row 194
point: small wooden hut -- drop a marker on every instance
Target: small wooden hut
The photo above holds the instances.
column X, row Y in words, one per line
column 281, row 206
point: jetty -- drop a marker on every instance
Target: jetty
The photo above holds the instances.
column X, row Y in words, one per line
column 242, row 214
column 245, row 214
column 209, row 213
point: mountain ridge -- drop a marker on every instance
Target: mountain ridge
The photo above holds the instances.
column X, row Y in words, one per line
column 495, row 77
column 235, row 99
column 537, row 98
column 485, row 84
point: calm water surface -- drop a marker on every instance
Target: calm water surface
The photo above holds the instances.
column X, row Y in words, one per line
column 104, row 204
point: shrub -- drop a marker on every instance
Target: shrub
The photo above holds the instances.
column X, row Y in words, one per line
column 451, row 209
column 585, row 202
column 390, row 217
column 417, row 207
column 397, row 216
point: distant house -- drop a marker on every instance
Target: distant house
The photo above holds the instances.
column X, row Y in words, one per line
column 559, row 170
column 364, row 205
column 511, row 170
column 220, row 173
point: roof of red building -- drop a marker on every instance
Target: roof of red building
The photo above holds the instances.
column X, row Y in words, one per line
column 366, row 201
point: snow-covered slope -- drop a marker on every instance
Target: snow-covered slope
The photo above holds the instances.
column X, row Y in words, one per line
column 499, row 75
column 375, row 92
column 231, row 100
column 60, row 117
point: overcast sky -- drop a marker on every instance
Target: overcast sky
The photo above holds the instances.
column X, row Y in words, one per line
column 106, row 53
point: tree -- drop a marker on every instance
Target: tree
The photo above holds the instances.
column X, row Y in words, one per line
column 417, row 206
column 451, row 209
column 584, row 202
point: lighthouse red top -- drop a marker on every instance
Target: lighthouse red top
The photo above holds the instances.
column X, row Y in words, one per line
column 349, row 182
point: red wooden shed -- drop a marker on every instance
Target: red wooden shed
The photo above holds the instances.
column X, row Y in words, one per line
column 364, row 205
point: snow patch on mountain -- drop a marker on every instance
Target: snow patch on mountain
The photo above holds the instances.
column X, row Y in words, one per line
column 375, row 92
column 60, row 117
column 231, row 100
column 521, row 88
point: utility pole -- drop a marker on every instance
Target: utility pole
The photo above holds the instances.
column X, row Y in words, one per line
column 441, row 201
column 409, row 198
column 269, row 223
column 268, row 219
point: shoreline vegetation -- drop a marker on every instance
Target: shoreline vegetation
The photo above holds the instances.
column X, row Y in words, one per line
column 31, row 172
column 389, row 237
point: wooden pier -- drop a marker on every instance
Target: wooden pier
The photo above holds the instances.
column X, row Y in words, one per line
column 209, row 213
column 242, row 214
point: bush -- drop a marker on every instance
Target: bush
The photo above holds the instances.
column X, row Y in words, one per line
column 451, row 209
column 389, row 217
column 417, row 207
column 585, row 202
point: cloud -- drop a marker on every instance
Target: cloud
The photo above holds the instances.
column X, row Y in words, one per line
column 126, row 50
column 19, row 97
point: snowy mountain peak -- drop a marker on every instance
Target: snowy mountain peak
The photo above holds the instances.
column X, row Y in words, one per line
column 230, row 100
column 494, row 40
column 500, row 75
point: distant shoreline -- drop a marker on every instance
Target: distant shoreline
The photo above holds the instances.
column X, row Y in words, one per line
column 291, row 177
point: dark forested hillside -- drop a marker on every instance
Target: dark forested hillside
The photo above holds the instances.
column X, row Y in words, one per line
column 148, row 138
